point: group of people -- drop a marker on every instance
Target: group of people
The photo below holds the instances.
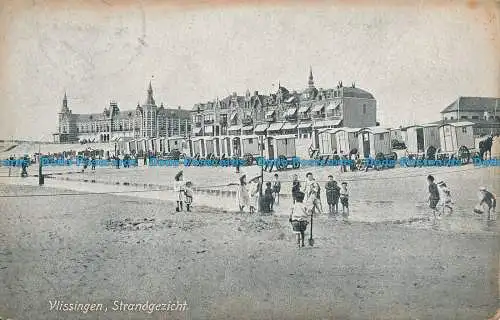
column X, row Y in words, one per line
column 248, row 194
column 440, row 199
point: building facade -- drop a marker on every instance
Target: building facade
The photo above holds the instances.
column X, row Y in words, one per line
column 286, row 112
column 113, row 124
column 482, row 111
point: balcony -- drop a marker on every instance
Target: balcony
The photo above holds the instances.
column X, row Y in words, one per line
column 291, row 117
column 208, row 121
column 333, row 115
column 197, row 124
column 318, row 115
column 304, row 116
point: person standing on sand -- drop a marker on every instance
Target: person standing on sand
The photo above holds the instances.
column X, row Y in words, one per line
column 344, row 200
column 295, row 187
column 299, row 218
column 276, row 189
column 312, row 194
column 433, row 195
column 188, row 195
column 179, row 188
column 254, row 194
column 332, row 195
column 242, row 194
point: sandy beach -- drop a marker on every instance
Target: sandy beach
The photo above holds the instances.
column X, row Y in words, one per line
column 226, row 265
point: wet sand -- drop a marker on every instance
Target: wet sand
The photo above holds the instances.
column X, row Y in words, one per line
column 226, row 265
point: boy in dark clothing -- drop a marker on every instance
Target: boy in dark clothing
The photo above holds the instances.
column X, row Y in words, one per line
column 433, row 195
column 295, row 187
column 268, row 198
column 332, row 195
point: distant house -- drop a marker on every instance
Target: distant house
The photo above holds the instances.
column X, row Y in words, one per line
column 482, row 111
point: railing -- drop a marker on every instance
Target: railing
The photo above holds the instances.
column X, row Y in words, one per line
column 318, row 116
column 208, row 121
column 197, row 124
column 304, row 116
column 333, row 116
column 247, row 121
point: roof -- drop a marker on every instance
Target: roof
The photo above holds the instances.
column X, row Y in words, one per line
column 304, row 109
column 473, row 104
column 246, row 128
column 327, row 123
column 305, row 125
column 284, row 136
column 275, row 126
column 458, row 124
column 261, row 127
column 350, row 92
column 375, row 130
column 234, row 128
column 289, row 126
column 346, row 129
column 319, row 107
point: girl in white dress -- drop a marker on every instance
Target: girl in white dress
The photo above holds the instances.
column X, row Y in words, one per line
column 179, row 188
column 243, row 194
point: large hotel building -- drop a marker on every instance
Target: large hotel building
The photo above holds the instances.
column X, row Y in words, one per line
column 113, row 124
column 286, row 112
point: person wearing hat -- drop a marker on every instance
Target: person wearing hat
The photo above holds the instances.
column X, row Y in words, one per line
column 254, row 192
column 487, row 198
column 179, row 188
column 344, row 200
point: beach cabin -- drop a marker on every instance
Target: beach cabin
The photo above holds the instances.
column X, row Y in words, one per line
column 457, row 139
column 374, row 142
column 250, row 145
column 281, row 146
column 132, row 146
column 346, row 139
column 212, row 146
column 327, row 142
column 198, row 147
column 175, row 143
column 225, row 146
column 423, row 140
column 236, row 146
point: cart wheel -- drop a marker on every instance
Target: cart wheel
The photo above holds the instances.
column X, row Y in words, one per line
column 430, row 154
column 394, row 156
column 464, row 154
column 296, row 164
column 311, row 242
column 380, row 156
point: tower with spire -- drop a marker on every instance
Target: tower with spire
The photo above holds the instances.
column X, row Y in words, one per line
column 311, row 78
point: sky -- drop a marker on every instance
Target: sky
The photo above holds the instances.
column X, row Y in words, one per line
column 414, row 59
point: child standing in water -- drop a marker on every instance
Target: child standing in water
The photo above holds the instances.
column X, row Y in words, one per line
column 446, row 196
column 299, row 218
column 188, row 193
column 179, row 188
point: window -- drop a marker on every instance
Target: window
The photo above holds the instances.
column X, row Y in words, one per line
column 381, row 137
column 364, row 108
column 451, row 118
column 475, row 117
column 464, row 117
column 250, row 141
column 464, row 129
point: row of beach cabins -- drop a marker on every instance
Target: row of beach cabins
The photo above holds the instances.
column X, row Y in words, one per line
column 428, row 141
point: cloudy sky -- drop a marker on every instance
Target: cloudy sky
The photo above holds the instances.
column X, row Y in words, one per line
column 414, row 59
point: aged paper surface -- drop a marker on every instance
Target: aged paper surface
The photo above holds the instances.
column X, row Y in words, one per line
column 249, row 160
